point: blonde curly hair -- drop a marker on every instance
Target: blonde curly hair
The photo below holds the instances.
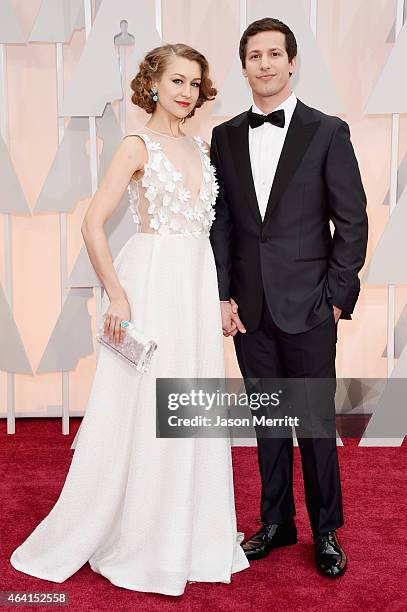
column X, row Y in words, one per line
column 154, row 64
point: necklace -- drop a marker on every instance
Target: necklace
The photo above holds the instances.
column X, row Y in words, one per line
column 162, row 133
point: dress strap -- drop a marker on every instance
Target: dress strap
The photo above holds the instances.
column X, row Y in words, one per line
column 201, row 145
column 133, row 186
column 207, row 168
column 138, row 133
column 151, row 144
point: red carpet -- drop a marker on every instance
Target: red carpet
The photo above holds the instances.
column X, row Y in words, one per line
column 33, row 465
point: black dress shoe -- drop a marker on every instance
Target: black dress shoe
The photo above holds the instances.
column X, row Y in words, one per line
column 268, row 537
column 329, row 556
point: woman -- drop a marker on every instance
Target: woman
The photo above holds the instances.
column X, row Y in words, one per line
column 150, row 514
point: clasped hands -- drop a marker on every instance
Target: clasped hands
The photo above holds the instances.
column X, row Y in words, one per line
column 231, row 322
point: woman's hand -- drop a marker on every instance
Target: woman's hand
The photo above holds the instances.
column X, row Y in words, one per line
column 119, row 310
column 231, row 322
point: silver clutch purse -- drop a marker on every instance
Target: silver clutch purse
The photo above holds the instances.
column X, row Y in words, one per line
column 136, row 349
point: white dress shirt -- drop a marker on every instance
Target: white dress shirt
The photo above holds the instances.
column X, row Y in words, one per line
column 265, row 145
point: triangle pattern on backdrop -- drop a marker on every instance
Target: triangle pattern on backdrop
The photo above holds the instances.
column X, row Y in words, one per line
column 13, row 357
column 312, row 82
column 120, row 227
column 358, row 395
column 10, row 31
column 69, row 177
column 400, row 370
column 71, row 338
column 401, row 181
column 388, row 264
column 392, row 34
column 390, row 92
column 96, row 80
column 400, row 334
column 234, row 96
column 12, row 198
column 388, row 425
column 56, row 21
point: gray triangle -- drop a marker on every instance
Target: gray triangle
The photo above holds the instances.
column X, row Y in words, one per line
column 10, row 31
column 13, row 357
column 79, row 24
column 75, row 440
column 97, row 5
column 56, row 21
column 235, row 95
column 389, row 261
column 401, row 181
column 400, row 370
column 364, row 393
column 69, row 177
column 389, row 419
column 390, row 92
column 71, row 338
column 120, row 227
column 358, row 395
column 388, row 425
column 109, row 131
column 91, row 88
column 391, row 38
column 400, row 333
column 342, row 399
column 12, row 199
column 312, row 81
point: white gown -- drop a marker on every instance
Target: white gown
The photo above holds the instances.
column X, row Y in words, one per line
column 151, row 513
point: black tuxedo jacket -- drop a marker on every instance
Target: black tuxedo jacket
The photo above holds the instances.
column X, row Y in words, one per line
column 291, row 254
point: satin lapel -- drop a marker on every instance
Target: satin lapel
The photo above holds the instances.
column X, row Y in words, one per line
column 239, row 145
column 297, row 140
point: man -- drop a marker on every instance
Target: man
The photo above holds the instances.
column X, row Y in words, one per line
column 285, row 170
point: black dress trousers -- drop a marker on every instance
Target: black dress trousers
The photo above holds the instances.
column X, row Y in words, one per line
column 269, row 352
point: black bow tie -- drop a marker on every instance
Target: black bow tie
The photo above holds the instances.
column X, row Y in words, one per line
column 276, row 118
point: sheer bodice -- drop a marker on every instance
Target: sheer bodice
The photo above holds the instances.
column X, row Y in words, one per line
column 177, row 191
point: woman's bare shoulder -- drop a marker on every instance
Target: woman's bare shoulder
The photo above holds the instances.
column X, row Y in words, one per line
column 133, row 141
column 133, row 147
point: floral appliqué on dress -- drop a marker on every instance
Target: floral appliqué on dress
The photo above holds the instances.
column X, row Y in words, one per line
column 170, row 207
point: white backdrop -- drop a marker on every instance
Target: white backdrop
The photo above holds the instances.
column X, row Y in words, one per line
column 63, row 112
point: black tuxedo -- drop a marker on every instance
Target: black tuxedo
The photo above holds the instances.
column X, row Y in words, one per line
column 285, row 273
column 291, row 254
